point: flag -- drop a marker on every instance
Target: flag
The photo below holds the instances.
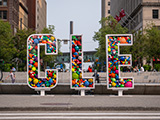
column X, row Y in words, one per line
column 122, row 13
column 118, row 18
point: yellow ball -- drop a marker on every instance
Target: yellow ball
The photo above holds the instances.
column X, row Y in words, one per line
column 51, row 85
column 54, row 76
column 90, row 80
column 35, row 81
column 30, row 79
column 52, row 38
column 113, row 84
column 34, row 68
column 109, row 49
column 80, row 76
column 82, row 86
column 73, row 69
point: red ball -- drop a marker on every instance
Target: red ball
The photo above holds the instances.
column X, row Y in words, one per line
column 49, row 74
column 36, row 47
column 73, row 50
column 73, row 45
column 31, row 75
column 78, row 43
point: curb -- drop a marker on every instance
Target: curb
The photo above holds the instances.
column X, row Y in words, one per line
column 79, row 108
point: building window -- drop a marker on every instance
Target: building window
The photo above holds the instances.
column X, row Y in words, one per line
column 4, row 2
column 4, row 14
column 155, row 14
column 0, row 2
column 109, row 3
column 108, row 11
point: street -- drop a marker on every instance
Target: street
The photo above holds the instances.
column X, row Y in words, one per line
column 80, row 115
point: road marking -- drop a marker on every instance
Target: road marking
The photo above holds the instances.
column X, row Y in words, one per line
column 75, row 117
column 68, row 114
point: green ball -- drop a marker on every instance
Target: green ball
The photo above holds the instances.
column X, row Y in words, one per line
column 122, row 85
column 75, row 76
column 113, row 79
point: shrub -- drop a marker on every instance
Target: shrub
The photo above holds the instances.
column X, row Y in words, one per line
column 157, row 67
column 147, row 67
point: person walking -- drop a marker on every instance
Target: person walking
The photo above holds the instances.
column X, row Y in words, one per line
column 12, row 75
column 96, row 75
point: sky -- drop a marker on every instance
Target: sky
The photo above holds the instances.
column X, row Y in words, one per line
column 85, row 15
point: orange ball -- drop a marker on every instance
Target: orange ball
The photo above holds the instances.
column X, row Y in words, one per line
column 73, row 82
column 113, row 75
column 36, row 64
column 123, row 40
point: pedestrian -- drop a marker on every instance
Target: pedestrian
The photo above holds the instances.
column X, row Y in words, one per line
column 142, row 69
column 96, row 75
column 13, row 70
column 12, row 76
column 89, row 69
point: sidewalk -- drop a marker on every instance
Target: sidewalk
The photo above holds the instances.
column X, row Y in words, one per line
column 76, row 102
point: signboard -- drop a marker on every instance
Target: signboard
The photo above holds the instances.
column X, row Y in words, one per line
column 115, row 60
column 34, row 80
column 76, row 58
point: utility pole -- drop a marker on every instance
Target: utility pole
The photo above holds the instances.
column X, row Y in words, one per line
column 71, row 27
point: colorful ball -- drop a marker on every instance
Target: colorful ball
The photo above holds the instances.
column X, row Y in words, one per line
column 80, row 58
column 76, row 48
column 35, row 81
column 113, row 84
column 30, row 79
column 73, row 50
column 34, row 68
column 128, row 84
column 86, row 83
column 75, row 76
column 36, row 41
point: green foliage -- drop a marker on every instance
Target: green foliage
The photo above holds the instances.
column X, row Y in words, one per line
column 147, row 67
column 109, row 26
column 20, row 45
column 157, row 67
column 6, row 44
column 152, row 42
column 49, row 30
column 7, row 67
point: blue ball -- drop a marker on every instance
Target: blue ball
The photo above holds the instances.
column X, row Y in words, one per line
column 36, row 41
column 50, row 81
column 76, row 53
column 117, row 77
column 38, row 85
column 86, row 83
column 76, row 48
column 122, row 58
column 75, row 85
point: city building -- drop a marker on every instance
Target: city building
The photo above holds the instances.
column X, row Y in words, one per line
column 138, row 13
column 31, row 4
column 105, row 8
column 23, row 14
column 37, row 10
column 9, row 11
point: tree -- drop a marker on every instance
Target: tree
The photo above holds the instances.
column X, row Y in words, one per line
column 47, row 59
column 152, row 42
column 7, row 49
column 109, row 26
column 20, row 44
